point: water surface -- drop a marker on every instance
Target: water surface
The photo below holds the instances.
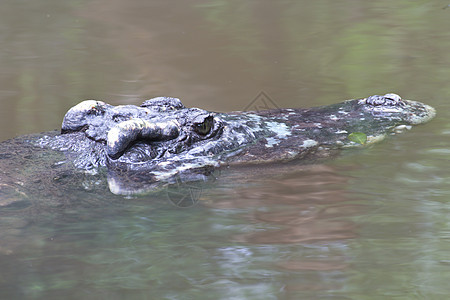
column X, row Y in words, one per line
column 372, row 224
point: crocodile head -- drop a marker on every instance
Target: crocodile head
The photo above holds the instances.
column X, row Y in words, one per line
column 163, row 138
column 161, row 135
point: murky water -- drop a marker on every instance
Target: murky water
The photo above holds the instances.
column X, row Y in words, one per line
column 372, row 224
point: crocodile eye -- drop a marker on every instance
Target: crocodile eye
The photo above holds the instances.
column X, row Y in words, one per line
column 204, row 127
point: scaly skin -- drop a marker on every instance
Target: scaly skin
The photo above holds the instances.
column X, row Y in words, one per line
column 162, row 139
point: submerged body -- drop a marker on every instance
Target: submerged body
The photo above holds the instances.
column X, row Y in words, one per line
column 162, row 139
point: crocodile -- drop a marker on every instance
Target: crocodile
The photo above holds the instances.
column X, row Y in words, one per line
column 140, row 147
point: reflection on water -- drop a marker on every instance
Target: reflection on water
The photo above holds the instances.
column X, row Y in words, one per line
column 238, row 240
column 308, row 213
column 373, row 224
column 305, row 208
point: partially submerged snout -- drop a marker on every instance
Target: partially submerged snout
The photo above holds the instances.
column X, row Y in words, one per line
column 392, row 106
column 162, row 138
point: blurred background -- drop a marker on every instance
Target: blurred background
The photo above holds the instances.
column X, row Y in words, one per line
column 214, row 54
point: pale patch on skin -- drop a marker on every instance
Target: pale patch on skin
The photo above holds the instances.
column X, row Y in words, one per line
column 75, row 117
column 402, row 128
column 281, row 130
column 271, row 142
column 87, row 105
column 308, row 143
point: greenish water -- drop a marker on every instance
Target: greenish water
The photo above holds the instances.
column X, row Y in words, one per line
column 371, row 224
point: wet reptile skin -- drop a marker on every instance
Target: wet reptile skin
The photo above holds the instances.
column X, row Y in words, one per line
column 162, row 138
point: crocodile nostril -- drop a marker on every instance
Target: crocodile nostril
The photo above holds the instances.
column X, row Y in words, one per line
column 389, row 99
